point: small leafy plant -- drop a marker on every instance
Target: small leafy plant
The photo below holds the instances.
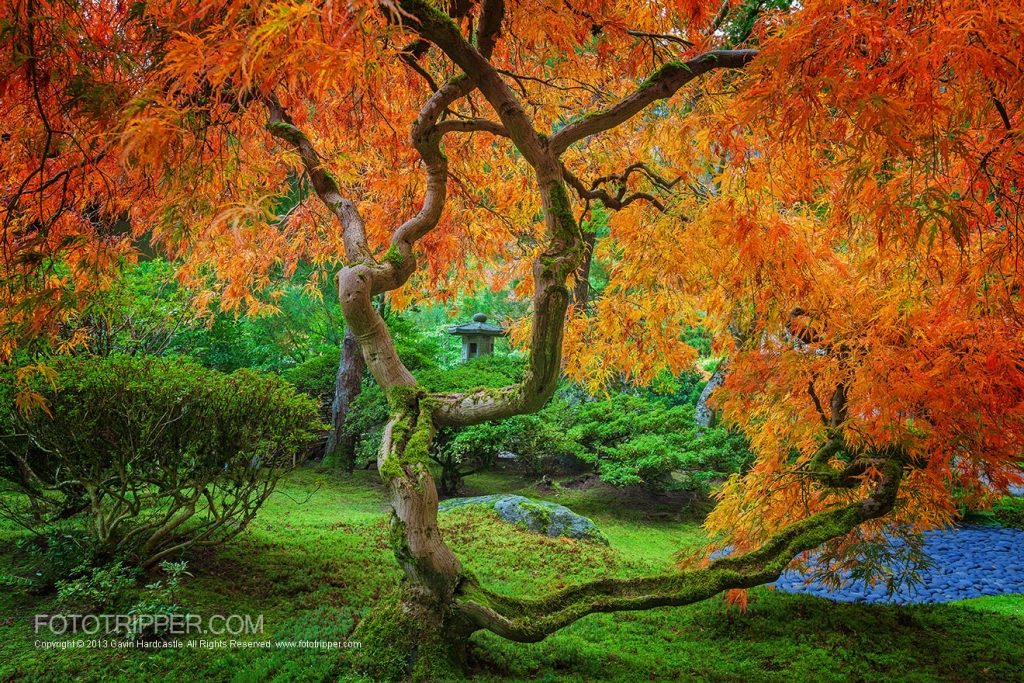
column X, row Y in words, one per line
column 162, row 599
column 101, row 590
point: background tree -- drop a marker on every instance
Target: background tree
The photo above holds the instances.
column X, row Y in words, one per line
column 860, row 162
column 341, row 443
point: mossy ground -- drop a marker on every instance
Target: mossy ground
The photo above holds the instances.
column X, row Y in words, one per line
column 314, row 569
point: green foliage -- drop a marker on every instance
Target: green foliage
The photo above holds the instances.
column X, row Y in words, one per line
column 540, row 440
column 419, row 352
column 145, row 312
column 1010, row 512
column 101, row 590
column 460, row 451
column 366, row 419
column 161, row 598
column 638, row 438
column 315, row 570
column 488, row 372
column 740, row 24
column 156, row 454
column 308, row 323
column 57, row 553
column 316, row 376
column 174, row 571
column 632, row 440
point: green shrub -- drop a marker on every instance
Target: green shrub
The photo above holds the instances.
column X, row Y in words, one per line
column 633, row 440
column 317, row 375
column 1010, row 512
column 151, row 455
column 366, row 419
column 488, row 372
column 161, row 598
column 461, row 451
column 101, row 590
column 55, row 554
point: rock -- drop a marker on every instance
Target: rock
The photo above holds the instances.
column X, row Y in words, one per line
column 969, row 562
column 536, row 515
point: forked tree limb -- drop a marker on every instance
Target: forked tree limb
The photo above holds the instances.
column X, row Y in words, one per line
column 365, row 276
column 565, row 243
column 436, row 27
column 619, row 200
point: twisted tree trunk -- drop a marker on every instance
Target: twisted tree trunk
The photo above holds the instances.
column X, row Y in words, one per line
column 421, row 631
column 424, row 630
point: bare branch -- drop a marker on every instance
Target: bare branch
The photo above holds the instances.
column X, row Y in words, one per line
column 471, row 126
column 660, row 36
column 817, row 403
column 619, row 200
column 663, row 83
column 411, row 54
column 354, row 232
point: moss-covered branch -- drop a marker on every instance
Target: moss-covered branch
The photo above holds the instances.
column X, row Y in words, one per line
column 552, row 268
column 530, row 620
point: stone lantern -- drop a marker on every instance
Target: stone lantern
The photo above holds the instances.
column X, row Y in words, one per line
column 477, row 336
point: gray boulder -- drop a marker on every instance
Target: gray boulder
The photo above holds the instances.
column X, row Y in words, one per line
column 539, row 516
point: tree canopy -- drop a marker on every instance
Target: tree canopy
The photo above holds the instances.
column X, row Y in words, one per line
column 832, row 188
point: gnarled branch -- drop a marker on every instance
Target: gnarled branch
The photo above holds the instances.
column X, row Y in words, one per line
column 620, row 199
column 471, row 126
column 526, row 620
column 326, row 188
column 440, row 30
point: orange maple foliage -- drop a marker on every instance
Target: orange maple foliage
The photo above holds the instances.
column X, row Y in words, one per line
column 843, row 212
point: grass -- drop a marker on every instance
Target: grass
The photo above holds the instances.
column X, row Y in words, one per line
column 317, row 559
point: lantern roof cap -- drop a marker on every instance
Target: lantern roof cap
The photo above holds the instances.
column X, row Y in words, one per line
column 479, row 326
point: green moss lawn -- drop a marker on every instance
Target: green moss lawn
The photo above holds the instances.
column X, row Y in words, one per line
column 317, row 559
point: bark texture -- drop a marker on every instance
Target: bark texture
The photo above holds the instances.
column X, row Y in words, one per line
column 706, row 416
column 341, row 444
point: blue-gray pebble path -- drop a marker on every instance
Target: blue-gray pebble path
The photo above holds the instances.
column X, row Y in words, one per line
column 968, row 562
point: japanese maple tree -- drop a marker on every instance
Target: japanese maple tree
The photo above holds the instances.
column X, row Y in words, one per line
column 833, row 188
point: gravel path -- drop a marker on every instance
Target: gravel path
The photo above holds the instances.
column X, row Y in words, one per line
column 969, row 562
